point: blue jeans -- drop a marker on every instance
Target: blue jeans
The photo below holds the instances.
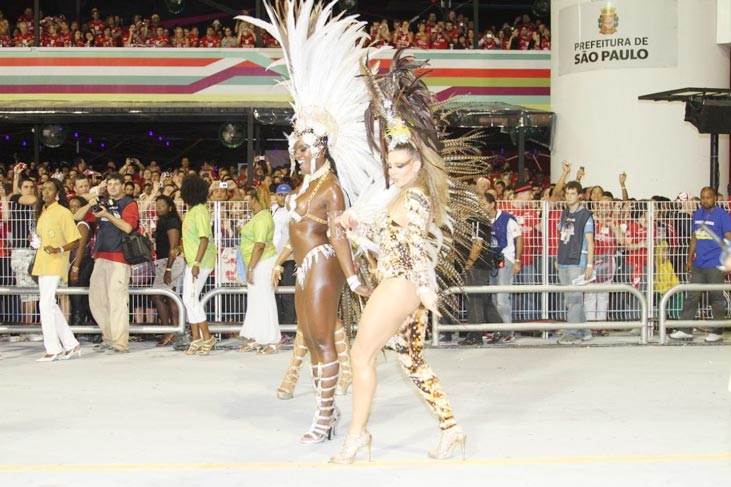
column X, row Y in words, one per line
column 574, row 301
column 504, row 301
column 528, row 306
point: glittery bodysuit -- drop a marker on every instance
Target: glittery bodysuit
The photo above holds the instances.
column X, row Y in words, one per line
column 404, row 253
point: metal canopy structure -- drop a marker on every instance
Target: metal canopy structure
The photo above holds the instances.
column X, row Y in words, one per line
column 709, row 110
column 520, row 123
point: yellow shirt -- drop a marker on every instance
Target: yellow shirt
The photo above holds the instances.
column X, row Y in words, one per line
column 56, row 227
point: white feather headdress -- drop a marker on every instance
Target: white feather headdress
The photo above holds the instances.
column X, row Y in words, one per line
column 322, row 53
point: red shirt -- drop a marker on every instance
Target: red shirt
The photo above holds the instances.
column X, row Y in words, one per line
column 106, row 42
column 402, row 41
column 440, row 42
column 52, row 41
column 554, row 217
column 270, row 41
column 635, row 234
column 159, row 41
column 247, row 41
column 96, row 26
column 422, row 42
column 489, row 43
column 23, row 40
column 605, row 243
column 209, row 42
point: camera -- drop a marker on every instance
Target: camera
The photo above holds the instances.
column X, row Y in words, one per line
column 495, row 259
column 101, row 205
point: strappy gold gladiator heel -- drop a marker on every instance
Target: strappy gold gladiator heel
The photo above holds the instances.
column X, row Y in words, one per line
column 207, row 346
column 343, row 349
column 351, row 447
column 449, row 440
column 323, row 426
column 286, row 389
column 194, row 346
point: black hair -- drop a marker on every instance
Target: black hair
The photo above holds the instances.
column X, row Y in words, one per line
column 575, row 185
column 81, row 199
column 115, row 176
column 171, row 204
column 194, row 190
column 60, row 193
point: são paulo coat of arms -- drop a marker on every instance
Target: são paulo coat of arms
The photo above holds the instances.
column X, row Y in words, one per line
column 608, row 20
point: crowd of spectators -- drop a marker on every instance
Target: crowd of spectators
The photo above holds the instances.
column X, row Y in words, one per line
column 456, row 31
column 623, row 227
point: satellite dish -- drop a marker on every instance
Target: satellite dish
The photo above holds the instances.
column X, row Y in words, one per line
column 231, row 135
column 53, row 135
column 175, row 6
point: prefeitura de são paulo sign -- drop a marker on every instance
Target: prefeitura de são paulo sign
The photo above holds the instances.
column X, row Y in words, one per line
column 610, row 34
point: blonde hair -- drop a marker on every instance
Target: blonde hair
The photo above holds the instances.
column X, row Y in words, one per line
column 432, row 179
column 261, row 194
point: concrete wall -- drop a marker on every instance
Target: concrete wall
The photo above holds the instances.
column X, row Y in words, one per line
column 602, row 126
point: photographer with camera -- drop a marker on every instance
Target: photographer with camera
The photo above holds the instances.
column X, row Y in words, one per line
column 116, row 215
column 479, row 266
column 506, row 247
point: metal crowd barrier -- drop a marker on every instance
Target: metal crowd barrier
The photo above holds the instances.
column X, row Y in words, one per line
column 143, row 291
column 241, row 290
column 541, row 325
column 663, row 322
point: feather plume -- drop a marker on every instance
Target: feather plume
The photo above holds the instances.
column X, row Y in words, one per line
column 322, row 54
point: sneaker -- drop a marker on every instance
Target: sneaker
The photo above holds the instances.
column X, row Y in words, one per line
column 16, row 338
column 115, row 350
column 587, row 337
column 101, row 347
column 35, row 337
column 681, row 335
column 713, row 338
column 470, row 340
column 568, row 340
column 492, row 338
column 507, row 339
column 445, row 337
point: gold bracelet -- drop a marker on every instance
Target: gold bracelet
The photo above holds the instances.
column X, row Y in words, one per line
column 168, row 269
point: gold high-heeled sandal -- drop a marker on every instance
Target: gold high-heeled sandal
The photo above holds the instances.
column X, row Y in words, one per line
column 286, row 389
column 351, row 447
column 206, row 346
column 449, row 440
column 343, row 349
column 194, row 346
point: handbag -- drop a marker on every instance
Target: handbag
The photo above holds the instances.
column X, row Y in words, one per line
column 137, row 248
column 30, row 267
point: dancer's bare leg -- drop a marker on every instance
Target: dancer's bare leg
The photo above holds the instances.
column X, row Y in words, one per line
column 319, row 304
column 388, row 307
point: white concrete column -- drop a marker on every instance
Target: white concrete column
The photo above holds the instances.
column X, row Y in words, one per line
column 601, row 125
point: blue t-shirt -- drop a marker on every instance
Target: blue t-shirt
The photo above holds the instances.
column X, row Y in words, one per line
column 707, row 251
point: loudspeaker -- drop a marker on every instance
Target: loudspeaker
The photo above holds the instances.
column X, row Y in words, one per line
column 709, row 116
